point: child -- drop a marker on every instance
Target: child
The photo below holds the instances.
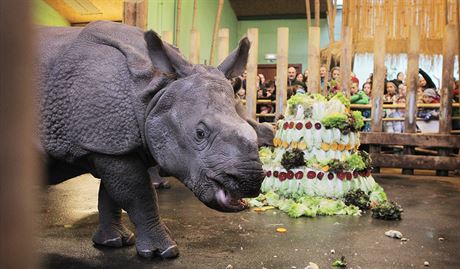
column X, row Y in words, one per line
column 429, row 97
column 358, row 96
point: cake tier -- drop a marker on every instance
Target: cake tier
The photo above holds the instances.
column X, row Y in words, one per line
column 312, row 182
column 309, row 134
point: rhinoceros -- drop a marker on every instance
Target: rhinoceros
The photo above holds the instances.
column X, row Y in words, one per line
column 115, row 100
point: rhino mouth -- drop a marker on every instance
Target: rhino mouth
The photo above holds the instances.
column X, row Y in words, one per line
column 229, row 202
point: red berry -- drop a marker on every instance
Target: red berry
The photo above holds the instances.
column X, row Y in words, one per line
column 308, row 125
column 275, row 173
column 341, row 175
column 299, row 126
column 282, row 176
column 318, row 126
column 291, row 125
column 355, row 174
column 320, row 175
column 299, row 175
column 368, row 173
column 285, row 125
column 348, row 175
column 311, row 174
column 268, row 173
column 290, row 174
column 330, row 176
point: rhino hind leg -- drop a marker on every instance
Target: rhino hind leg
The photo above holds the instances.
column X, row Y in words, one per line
column 111, row 232
column 126, row 181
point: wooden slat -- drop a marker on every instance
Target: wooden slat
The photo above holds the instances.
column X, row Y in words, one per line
column 281, row 69
column 445, row 112
column 251, row 67
column 379, row 78
column 195, row 46
column 412, row 80
column 345, row 60
column 314, row 60
column 308, row 11
column 317, row 18
column 419, row 140
column 415, row 161
column 167, row 36
column 178, row 20
column 216, row 29
column 223, row 44
column 135, row 13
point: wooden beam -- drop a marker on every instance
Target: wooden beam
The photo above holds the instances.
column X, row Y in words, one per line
column 195, row 42
column 411, row 95
column 411, row 139
column 135, row 13
column 251, row 67
column 195, row 10
column 167, row 36
column 19, row 141
column 178, row 19
column 345, row 60
column 449, row 48
column 308, row 11
column 379, row 79
column 317, row 15
column 314, row 85
column 415, row 161
column 412, row 80
column 330, row 22
column 281, row 69
column 216, row 29
column 223, row 44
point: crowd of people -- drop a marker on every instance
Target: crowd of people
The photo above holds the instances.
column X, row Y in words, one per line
column 395, row 91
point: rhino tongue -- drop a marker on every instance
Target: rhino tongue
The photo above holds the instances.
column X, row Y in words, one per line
column 226, row 200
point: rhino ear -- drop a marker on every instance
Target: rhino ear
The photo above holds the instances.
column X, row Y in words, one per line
column 235, row 63
column 166, row 57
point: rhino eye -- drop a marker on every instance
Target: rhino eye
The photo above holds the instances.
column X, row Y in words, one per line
column 200, row 134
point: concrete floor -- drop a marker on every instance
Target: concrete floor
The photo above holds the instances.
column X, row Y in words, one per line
column 209, row 239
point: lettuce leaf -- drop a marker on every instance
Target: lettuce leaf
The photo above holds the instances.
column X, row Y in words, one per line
column 335, row 120
column 358, row 120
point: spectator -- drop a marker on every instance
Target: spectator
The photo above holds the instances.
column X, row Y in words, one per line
column 425, row 80
column 271, row 89
column 429, row 97
column 305, row 76
column 322, row 75
column 391, row 97
column 358, row 96
column 402, row 91
column 334, row 84
column 400, row 77
column 300, row 80
column 367, row 88
column 291, row 76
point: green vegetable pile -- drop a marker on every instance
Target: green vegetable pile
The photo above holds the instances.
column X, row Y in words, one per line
column 293, row 158
column 344, row 122
column 265, row 155
column 358, row 198
column 341, row 97
column 340, row 263
column 357, row 162
column 305, row 206
column 387, row 211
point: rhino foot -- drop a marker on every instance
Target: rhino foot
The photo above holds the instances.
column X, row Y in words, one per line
column 115, row 236
column 158, row 243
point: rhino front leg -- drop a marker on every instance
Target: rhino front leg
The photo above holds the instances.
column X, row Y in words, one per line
column 111, row 232
column 126, row 181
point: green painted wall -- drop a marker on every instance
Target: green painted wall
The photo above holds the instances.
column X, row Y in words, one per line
column 298, row 37
column 161, row 18
column 44, row 14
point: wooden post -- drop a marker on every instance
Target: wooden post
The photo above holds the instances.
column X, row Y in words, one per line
column 222, row 44
column 216, row 29
column 317, row 15
column 308, row 11
column 378, row 85
column 167, row 36
column 178, row 17
column 19, row 140
column 135, row 13
column 345, row 60
column 281, row 70
column 314, row 85
column 194, row 46
column 251, row 67
column 194, row 56
column 330, row 22
column 445, row 112
column 411, row 95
